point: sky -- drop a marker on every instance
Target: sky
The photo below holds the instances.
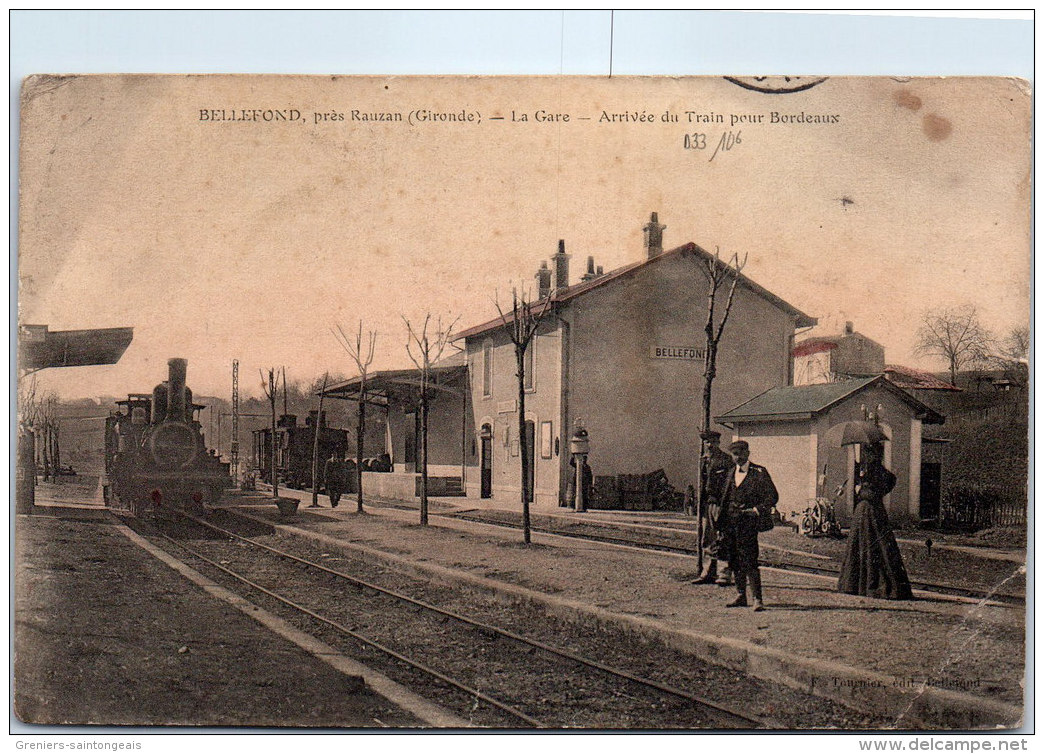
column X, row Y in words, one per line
column 220, row 239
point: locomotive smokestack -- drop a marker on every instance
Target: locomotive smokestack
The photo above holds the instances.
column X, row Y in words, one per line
column 176, row 408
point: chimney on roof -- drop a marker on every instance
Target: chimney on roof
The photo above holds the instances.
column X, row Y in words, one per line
column 654, row 236
column 561, row 260
column 590, row 274
column 599, row 273
column 543, row 277
column 849, row 329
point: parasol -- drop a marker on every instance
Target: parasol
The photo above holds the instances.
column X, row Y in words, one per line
column 862, row 433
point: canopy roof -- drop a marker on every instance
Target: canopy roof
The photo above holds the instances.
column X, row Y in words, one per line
column 448, row 376
column 41, row 349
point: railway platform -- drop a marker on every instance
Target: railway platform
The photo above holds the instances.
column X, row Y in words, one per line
column 938, row 661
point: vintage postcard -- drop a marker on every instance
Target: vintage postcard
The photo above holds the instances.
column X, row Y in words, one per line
column 508, row 403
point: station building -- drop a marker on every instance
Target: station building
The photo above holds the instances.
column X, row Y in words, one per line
column 619, row 352
column 622, row 353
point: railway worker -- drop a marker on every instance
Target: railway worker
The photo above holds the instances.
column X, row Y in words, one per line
column 716, row 466
column 747, row 506
column 334, row 475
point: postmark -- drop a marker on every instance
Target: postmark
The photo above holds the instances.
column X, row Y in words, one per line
column 776, row 84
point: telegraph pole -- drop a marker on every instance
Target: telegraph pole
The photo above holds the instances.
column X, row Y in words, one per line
column 234, row 449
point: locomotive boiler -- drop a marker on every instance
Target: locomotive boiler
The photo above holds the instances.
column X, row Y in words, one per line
column 156, row 463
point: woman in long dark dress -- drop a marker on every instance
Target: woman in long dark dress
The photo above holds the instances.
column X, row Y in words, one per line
column 873, row 566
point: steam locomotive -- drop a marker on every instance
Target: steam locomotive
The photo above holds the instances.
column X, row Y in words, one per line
column 156, row 463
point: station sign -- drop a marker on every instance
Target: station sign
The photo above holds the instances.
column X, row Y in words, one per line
column 677, row 353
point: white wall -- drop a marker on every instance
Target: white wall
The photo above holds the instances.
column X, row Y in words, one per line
column 790, row 463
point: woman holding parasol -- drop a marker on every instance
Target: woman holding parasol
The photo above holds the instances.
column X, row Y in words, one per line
column 873, row 565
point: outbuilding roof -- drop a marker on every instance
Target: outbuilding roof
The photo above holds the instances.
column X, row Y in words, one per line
column 802, row 402
column 689, row 249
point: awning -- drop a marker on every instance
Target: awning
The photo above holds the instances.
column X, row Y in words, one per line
column 381, row 387
column 39, row 348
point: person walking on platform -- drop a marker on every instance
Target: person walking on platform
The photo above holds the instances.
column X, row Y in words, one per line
column 873, row 565
column 334, row 475
column 746, row 509
column 716, row 467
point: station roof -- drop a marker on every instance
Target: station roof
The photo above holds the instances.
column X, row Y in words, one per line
column 802, row 402
column 689, row 249
column 40, row 348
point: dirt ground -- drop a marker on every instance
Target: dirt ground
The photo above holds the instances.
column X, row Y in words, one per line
column 173, row 656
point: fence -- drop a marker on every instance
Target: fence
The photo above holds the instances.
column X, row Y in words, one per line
column 974, row 507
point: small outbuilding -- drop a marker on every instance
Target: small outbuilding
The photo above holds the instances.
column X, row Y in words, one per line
column 795, row 431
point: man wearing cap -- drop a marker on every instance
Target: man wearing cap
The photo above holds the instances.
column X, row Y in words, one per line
column 717, row 471
column 749, row 498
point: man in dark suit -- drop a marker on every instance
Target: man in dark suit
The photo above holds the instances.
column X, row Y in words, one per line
column 717, row 472
column 334, row 475
column 749, row 498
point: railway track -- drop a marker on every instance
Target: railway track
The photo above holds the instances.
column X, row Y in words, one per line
column 492, row 674
column 593, row 534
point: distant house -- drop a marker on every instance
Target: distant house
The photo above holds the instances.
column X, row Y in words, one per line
column 795, row 431
column 836, row 357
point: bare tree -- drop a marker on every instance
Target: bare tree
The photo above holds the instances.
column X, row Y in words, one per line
column 53, row 427
column 363, row 357
column 28, row 417
column 718, row 274
column 271, row 391
column 521, row 327
column 39, row 415
column 954, row 334
column 42, row 420
column 425, row 350
column 27, row 407
column 316, row 431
